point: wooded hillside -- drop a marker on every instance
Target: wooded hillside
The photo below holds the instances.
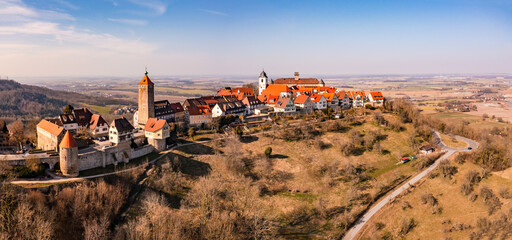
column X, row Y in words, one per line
column 27, row 100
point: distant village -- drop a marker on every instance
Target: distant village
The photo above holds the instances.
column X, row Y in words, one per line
column 78, row 139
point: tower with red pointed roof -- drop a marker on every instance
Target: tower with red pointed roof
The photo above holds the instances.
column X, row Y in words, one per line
column 146, row 100
column 68, row 156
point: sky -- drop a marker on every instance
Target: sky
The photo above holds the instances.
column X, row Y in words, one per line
column 242, row 37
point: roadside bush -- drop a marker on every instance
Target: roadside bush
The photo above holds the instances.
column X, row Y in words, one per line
column 447, row 170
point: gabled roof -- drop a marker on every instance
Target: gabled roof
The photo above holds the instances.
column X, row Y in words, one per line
column 67, row 118
column 292, row 81
column 341, row 94
column 251, row 100
column 177, row 107
column 276, row 89
column 377, row 95
column 282, row 102
column 82, row 116
column 301, row 99
column 50, row 127
column 200, row 110
column 329, row 96
column 68, row 141
column 96, row 120
column 162, row 108
column 122, row 125
column 316, row 98
column 154, row 124
column 263, row 74
column 235, row 91
column 145, row 80
column 426, row 148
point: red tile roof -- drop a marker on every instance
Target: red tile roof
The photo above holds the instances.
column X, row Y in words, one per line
column 200, row 110
column 316, row 98
column 377, row 95
column 145, row 80
column 296, row 82
column 68, row 141
column 282, row 102
column 96, row 119
column 328, row 96
column 154, row 124
column 50, row 127
column 301, row 99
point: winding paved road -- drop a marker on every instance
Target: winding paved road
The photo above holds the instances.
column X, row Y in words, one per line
column 354, row 230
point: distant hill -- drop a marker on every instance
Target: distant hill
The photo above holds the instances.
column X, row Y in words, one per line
column 21, row 100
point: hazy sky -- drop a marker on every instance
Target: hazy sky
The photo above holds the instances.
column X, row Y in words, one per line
column 202, row 37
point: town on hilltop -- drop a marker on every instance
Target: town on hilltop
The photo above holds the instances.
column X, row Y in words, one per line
column 79, row 140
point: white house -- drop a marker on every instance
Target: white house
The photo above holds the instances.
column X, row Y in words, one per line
column 303, row 102
column 319, row 101
column 376, row 98
column 251, row 103
column 284, row 104
column 120, row 131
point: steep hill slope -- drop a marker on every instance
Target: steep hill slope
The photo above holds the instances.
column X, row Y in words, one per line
column 18, row 100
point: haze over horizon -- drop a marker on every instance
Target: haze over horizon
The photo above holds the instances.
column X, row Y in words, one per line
column 119, row 38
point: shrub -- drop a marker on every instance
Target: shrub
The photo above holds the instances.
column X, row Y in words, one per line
column 447, row 170
column 268, row 152
column 490, row 199
column 505, row 193
column 407, row 225
column 429, row 199
column 192, row 132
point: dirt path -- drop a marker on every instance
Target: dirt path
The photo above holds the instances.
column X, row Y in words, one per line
column 354, row 230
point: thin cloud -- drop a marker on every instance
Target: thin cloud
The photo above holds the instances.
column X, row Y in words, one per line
column 67, row 4
column 158, row 7
column 16, row 10
column 213, row 12
column 135, row 22
column 35, row 22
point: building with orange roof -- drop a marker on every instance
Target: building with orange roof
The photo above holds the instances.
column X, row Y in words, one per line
column 157, row 131
column 285, row 105
column 358, row 98
column 98, row 127
column 303, row 102
column 68, row 156
column 49, row 135
column 239, row 93
column 199, row 115
column 376, row 98
column 146, row 101
column 332, row 99
column 344, row 100
column 272, row 92
column 319, row 101
column 299, row 82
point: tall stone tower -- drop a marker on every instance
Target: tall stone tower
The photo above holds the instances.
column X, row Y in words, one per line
column 68, row 156
column 146, row 100
column 262, row 82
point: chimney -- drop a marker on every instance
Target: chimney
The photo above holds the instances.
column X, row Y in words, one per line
column 296, row 76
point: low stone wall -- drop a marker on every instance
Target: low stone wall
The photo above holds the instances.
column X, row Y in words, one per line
column 93, row 159
column 139, row 152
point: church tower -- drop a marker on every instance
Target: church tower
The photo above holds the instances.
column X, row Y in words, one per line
column 68, row 156
column 146, row 100
column 262, row 82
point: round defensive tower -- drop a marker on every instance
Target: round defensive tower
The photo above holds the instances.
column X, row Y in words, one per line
column 68, row 156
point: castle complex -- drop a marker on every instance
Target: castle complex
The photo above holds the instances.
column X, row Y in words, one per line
column 121, row 141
